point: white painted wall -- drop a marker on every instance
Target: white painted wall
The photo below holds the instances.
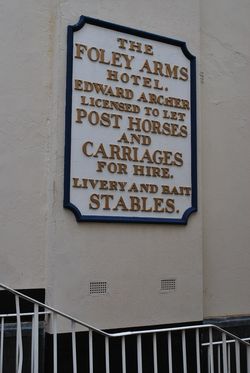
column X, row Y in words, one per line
column 225, row 30
column 131, row 258
column 25, row 77
column 41, row 243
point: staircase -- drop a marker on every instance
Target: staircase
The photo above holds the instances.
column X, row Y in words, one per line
column 31, row 342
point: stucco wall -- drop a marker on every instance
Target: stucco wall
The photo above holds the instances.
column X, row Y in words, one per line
column 225, row 108
column 41, row 243
column 25, row 77
column 131, row 258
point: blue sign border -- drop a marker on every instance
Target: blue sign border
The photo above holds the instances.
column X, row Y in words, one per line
column 68, row 110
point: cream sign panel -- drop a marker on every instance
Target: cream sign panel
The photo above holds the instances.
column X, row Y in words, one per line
column 130, row 143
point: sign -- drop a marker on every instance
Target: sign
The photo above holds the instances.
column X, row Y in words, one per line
column 130, row 143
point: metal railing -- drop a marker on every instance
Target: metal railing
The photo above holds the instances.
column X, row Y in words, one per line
column 226, row 353
column 190, row 349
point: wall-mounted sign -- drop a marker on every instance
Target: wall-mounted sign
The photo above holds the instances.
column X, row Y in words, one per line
column 130, row 147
